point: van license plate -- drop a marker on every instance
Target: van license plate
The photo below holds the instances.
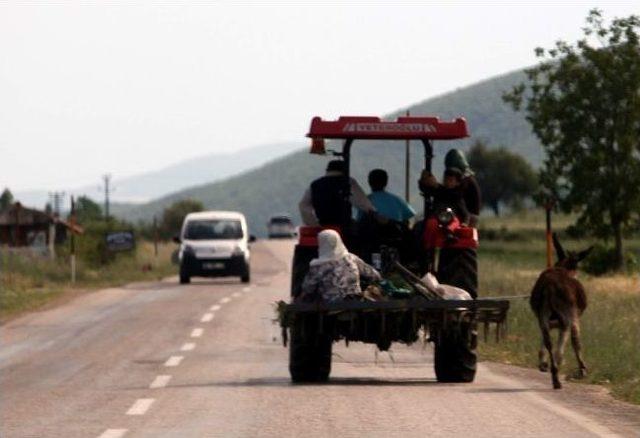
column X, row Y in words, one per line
column 213, row 265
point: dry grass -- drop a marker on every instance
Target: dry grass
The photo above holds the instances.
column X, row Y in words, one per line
column 28, row 283
column 610, row 326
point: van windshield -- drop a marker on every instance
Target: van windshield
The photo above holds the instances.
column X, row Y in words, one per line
column 213, row 229
column 280, row 221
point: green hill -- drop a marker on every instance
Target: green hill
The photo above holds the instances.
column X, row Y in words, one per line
column 278, row 185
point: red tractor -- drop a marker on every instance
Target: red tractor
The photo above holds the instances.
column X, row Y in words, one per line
column 313, row 329
column 439, row 229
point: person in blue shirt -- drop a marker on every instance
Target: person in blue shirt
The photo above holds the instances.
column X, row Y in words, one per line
column 387, row 204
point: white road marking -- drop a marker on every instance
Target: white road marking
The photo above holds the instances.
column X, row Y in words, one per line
column 173, row 361
column 236, row 294
column 215, row 308
column 556, row 408
column 196, row 332
column 113, row 433
column 187, row 346
column 141, row 406
column 160, row 381
column 225, row 300
column 206, row 317
column 246, row 289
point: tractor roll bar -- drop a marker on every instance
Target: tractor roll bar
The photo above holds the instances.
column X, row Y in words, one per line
column 350, row 128
column 373, row 128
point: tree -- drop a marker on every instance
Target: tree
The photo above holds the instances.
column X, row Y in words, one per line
column 505, row 178
column 583, row 102
column 173, row 215
column 6, row 199
column 87, row 210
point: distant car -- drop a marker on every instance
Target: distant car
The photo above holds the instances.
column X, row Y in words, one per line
column 281, row 226
column 214, row 244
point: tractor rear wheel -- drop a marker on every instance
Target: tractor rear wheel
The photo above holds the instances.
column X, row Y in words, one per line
column 459, row 267
column 454, row 356
column 309, row 351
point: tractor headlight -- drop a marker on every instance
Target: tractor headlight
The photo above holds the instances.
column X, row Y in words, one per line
column 445, row 217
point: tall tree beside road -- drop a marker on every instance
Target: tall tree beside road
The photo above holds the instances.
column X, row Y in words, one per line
column 6, row 199
column 87, row 210
column 505, row 178
column 173, row 215
column 583, row 102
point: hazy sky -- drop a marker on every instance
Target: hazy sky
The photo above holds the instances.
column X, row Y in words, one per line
column 92, row 88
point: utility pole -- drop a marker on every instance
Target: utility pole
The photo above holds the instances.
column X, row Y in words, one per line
column 56, row 198
column 548, row 206
column 407, row 174
column 107, row 191
column 155, row 236
column 72, row 241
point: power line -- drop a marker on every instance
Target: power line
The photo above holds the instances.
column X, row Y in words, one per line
column 56, row 199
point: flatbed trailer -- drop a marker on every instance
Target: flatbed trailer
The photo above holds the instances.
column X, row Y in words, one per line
column 312, row 328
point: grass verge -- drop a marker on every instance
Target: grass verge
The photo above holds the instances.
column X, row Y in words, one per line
column 28, row 283
column 610, row 325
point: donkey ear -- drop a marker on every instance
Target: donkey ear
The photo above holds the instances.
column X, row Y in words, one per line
column 583, row 254
column 559, row 249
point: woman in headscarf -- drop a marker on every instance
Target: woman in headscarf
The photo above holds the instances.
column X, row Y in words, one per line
column 456, row 161
column 336, row 273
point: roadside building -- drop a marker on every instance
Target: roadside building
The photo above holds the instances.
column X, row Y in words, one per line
column 22, row 227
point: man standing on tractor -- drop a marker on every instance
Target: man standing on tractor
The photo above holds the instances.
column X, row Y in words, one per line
column 456, row 160
column 387, row 204
column 449, row 194
column 329, row 199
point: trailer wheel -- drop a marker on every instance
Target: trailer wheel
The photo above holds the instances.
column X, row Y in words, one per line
column 459, row 267
column 309, row 351
column 455, row 356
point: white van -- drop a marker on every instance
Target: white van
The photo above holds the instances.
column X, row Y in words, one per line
column 214, row 244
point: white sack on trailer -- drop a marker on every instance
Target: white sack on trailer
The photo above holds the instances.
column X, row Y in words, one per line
column 444, row 290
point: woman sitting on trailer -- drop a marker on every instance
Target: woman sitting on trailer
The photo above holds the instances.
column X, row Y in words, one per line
column 336, row 273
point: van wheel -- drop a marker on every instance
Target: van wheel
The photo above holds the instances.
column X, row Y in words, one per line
column 246, row 277
column 184, row 277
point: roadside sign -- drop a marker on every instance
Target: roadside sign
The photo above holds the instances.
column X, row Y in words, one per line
column 120, row 241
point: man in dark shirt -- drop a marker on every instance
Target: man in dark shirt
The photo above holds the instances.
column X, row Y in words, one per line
column 328, row 199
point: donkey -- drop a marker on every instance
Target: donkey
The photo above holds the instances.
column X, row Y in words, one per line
column 558, row 300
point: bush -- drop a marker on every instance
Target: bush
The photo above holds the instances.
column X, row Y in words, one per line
column 91, row 245
column 632, row 263
column 601, row 260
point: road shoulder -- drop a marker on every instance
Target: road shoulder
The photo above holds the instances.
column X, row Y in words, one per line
column 593, row 401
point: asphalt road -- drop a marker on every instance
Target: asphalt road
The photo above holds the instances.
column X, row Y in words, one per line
column 205, row 360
